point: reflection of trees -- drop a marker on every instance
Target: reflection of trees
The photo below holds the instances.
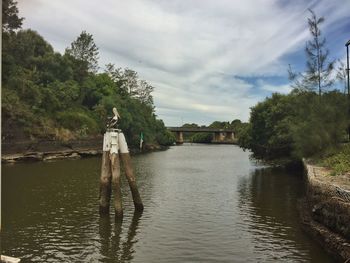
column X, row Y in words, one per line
column 268, row 199
column 268, row 202
column 113, row 248
column 271, row 193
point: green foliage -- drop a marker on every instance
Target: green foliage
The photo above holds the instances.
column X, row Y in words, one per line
column 190, row 125
column 187, row 136
column 220, row 125
column 10, row 19
column 207, row 137
column 202, row 137
column 49, row 95
column 77, row 121
column 268, row 135
column 84, row 49
column 14, row 112
column 303, row 123
column 129, row 84
column 166, row 138
column 320, row 123
column 339, row 162
column 295, row 125
column 318, row 74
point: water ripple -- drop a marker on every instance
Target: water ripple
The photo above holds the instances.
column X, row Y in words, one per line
column 202, row 204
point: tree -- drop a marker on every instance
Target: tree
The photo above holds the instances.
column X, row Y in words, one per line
column 219, row 125
column 10, row 19
column 128, row 82
column 294, row 126
column 84, row 49
column 318, row 125
column 318, row 69
column 114, row 73
column 47, row 95
column 341, row 74
column 268, row 135
column 144, row 91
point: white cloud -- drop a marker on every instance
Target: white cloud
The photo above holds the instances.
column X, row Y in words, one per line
column 189, row 50
column 283, row 89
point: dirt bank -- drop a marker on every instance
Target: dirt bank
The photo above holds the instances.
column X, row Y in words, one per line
column 325, row 211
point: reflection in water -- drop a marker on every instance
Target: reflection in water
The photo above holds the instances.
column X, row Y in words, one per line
column 112, row 248
column 203, row 203
column 268, row 199
column 105, row 231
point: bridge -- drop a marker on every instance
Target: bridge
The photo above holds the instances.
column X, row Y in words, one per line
column 219, row 135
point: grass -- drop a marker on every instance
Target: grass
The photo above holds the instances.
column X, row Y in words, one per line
column 339, row 162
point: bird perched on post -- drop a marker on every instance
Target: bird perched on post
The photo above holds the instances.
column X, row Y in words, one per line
column 112, row 123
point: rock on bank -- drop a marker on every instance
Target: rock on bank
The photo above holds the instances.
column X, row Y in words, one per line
column 325, row 211
column 46, row 150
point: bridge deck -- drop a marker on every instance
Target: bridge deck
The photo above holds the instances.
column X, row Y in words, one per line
column 200, row 129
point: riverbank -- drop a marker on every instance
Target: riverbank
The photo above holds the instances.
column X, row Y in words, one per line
column 325, row 211
column 48, row 150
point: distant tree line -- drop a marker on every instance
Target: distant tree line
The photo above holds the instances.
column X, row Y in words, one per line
column 310, row 121
column 50, row 95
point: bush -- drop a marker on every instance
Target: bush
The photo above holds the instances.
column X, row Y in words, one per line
column 339, row 162
column 202, row 137
column 165, row 138
column 79, row 122
column 49, row 95
column 295, row 126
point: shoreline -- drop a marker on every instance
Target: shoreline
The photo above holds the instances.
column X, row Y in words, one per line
column 50, row 150
column 325, row 211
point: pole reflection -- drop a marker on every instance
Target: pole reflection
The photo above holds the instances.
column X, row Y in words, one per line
column 115, row 247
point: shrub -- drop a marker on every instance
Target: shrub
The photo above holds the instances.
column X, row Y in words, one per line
column 202, row 137
column 79, row 122
column 339, row 162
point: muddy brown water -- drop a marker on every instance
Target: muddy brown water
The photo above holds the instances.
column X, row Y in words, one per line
column 203, row 203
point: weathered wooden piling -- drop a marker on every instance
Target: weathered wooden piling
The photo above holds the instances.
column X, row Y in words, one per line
column 132, row 181
column 114, row 149
column 118, row 207
column 106, row 176
column 115, row 164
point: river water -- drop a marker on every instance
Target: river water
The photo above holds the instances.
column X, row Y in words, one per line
column 203, row 203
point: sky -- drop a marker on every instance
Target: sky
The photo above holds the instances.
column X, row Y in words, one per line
column 208, row 60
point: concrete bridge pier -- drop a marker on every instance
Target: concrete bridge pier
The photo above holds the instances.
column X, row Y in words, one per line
column 219, row 137
column 230, row 136
column 179, row 137
column 226, row 136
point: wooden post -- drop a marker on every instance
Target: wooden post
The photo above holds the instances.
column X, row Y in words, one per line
column 106, row 175
column 118, row 207
column 115, row 147
column 125, row 156
column 132, row 181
